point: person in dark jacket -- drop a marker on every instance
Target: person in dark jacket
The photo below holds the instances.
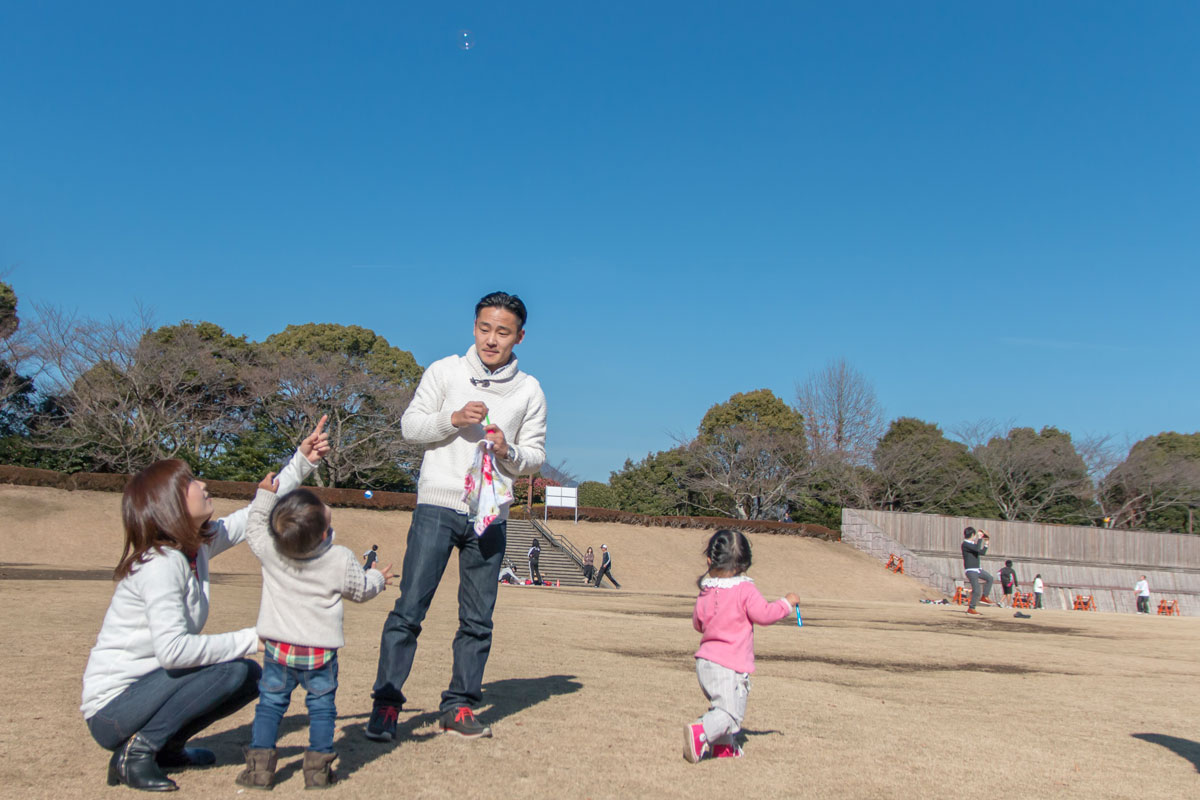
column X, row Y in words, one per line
column 535, row 553
column 1008, row 582
column 975, row 544
column 605, row 567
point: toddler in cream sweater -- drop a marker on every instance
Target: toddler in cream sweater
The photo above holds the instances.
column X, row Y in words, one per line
column 305, row 576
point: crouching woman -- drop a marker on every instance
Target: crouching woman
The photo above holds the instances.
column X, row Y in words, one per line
column 153, row 680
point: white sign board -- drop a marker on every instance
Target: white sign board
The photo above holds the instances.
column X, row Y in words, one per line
column 561, row 497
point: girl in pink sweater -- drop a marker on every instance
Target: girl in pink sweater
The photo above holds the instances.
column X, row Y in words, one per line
column 727, row 609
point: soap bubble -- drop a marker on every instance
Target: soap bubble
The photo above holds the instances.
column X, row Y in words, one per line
column 466, row 40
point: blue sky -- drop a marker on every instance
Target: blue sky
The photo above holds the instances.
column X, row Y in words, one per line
column 991, row 210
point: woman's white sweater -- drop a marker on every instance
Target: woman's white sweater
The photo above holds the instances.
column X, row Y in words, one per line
column 158, row 611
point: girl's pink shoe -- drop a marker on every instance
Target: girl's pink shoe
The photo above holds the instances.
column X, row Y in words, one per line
column 726, row 751
column 695, row 743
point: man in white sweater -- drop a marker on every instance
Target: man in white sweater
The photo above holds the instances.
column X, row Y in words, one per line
column 460, row 402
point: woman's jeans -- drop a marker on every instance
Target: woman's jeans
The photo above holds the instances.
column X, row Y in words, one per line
column 170, row 706
column 275, row 693
column 435, row 532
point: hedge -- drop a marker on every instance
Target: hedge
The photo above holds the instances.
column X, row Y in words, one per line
column 234, row 490
column 406, row 501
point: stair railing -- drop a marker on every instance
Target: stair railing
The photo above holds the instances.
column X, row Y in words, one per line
column 561, row 542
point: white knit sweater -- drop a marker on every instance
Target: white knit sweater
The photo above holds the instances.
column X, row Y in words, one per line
column 158, row 611
column 515, row 404
column 302, row 598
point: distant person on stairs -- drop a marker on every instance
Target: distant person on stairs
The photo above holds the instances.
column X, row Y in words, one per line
column 535, row 553
column 589, row 566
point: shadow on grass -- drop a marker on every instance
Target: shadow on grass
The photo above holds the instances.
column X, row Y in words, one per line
column 743, row 736
column 511, row 695
column 503, row 698
column 1184, row 748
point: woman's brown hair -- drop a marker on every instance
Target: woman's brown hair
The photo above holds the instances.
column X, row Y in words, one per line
column 154, row 510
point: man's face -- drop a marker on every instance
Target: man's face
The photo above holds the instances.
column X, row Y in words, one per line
column 497, row 332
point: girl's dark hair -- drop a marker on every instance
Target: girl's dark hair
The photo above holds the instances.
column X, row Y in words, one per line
column 298, row 523
column 727, row 551
column 155, row 515
column 506, row 301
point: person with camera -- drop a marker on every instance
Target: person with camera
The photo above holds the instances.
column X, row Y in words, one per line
column 974, row 546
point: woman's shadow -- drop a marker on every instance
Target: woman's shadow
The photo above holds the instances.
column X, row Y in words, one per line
column 500, row 699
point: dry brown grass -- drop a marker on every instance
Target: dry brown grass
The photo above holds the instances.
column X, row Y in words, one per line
column 877, row 696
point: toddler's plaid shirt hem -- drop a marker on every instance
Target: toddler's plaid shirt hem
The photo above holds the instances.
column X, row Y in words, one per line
column 297, row 656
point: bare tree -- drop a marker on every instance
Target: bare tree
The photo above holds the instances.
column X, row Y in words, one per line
column 1030, row 475
column 918, row 469
column 747, row 472
column 295, row 389
column 1131, row 490
column 127, row 397
column 842, row 415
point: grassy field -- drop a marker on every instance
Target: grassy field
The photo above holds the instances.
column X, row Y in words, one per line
column 877, row 695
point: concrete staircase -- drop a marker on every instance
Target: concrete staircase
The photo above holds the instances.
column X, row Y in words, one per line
column 555, row 563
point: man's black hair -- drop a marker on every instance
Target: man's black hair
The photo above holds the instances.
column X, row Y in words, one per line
column 509, row 302
column 968, row 532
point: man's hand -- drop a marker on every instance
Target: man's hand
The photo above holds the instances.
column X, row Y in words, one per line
column 472, row 413
column 499, row 444
column 387, row 575
column 270, row 483
column 316, row 445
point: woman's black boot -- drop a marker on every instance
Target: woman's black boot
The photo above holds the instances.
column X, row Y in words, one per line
column 134, row 766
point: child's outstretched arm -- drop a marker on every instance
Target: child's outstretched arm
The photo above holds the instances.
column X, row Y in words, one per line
column 258, row 521
column 760, row 611
column 232, row 529
column 360, row 585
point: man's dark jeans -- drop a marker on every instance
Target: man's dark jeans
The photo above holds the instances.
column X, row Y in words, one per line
column 173, row 705
column 434, row 533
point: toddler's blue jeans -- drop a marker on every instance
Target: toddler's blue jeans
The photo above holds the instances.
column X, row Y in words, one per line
column 275, row 694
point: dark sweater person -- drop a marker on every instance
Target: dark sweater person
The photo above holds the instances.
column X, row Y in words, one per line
column 1008, row 581
column 974, row 546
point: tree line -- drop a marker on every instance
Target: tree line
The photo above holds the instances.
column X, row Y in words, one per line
column 79, row 394
column 756, row 457
column 116, row 395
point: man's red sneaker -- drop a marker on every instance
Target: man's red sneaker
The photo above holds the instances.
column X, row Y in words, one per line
column 461, row 721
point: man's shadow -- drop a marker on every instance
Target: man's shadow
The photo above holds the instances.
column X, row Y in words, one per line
column 507, row 697
column 1184, row 748
column 500, row 700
